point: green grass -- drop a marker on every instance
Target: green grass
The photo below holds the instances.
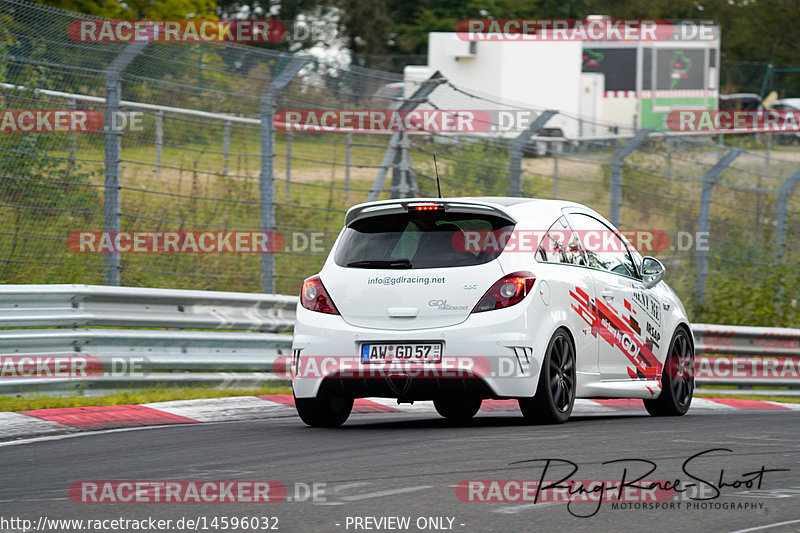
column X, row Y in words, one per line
column 25, row 403
column 197, row 195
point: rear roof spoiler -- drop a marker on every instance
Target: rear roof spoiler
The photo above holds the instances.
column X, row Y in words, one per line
column 392, row 207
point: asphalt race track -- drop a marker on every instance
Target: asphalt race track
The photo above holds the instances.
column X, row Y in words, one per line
column 409, row 464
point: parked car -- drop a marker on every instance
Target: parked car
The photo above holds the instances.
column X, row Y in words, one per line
column 740, row 102
column 542, row 301
column 791, row 105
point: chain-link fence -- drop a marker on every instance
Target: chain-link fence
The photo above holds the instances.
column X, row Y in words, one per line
column 199, row 152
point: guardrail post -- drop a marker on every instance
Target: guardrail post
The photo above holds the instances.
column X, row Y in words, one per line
column 517, row 144
column 267, row 175
column 391, row 157
column 783, row 208
column 709, row 179
column 617, row 162
column 159, row 140
column 113, row 153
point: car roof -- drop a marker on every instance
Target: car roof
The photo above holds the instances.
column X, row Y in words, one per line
column 793, row 102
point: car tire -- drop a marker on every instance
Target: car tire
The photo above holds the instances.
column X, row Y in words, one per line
column 555, row 394
column 458, row 408
column 325, row 412
column 677, row 383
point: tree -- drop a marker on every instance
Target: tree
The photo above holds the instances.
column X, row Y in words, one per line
column 139, row 9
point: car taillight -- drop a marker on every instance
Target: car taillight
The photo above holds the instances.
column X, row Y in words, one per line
column 425, row 206
column 315, row 298
column 509, row 290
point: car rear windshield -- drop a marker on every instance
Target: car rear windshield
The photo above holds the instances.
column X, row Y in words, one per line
column 419, row 240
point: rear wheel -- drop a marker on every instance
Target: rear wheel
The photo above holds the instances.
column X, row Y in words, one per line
column 458, row 408
column 325, row 412
column 555, row 394
column 677, row 379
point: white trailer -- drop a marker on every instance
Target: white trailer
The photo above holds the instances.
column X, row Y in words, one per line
column 599, row 87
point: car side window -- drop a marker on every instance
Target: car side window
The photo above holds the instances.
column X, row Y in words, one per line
column 560, row 245
column 604, row 248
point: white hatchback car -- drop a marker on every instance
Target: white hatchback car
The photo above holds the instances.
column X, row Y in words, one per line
column 458, row 300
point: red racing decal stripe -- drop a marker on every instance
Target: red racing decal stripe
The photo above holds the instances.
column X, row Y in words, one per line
column 592, row 313
column 109, row 416
column 649, row 366
column 585, row 308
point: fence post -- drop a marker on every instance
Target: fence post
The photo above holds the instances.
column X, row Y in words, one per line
column 555, row 174
column 226, row 145
column 112, row 210
column 159, row 139
column 73, row 145
column 267, row 175
column 390, row 158
column 783, row 207
column 617, row 161
column 767, row 149
column 517, row 144
column 709, row 179
column 289, row 137
column 403, row 182
column 348, row 139
column 386, row 162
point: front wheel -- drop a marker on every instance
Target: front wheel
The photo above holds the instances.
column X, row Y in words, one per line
column 458, row 408
column 326, row 412
column 677, row 379
column 555, row 394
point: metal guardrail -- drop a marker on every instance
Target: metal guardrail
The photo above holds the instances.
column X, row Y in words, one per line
column 746, row 340
column 762, row 356
column 233, row 339
column 93, row 305
column 81, row 320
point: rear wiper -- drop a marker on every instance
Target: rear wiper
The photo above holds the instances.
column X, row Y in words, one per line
column 392, row 263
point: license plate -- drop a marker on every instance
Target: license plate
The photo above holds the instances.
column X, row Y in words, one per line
column 387, row 353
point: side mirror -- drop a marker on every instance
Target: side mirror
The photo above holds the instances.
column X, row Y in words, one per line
column 652, row 271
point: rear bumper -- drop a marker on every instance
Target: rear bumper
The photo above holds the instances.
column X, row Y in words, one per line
column 490, row 354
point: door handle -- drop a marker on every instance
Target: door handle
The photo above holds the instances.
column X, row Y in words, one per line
column 402, row 312
column 607, row 294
